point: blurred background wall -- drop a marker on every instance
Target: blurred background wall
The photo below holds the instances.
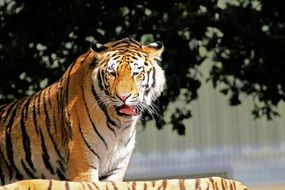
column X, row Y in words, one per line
column 220, row 140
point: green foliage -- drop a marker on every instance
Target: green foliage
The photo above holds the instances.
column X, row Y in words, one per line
column 250, row 54
column 39, row 39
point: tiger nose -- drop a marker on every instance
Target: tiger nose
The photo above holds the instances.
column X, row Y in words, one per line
column 123, row 97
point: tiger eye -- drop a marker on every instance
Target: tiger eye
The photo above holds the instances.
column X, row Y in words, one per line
column 135, row 73
column 141, row 76
column 113, row 74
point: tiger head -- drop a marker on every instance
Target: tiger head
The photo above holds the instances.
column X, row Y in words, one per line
column 128, row 77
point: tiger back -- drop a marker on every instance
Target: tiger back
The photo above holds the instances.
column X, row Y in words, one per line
column 83, row 127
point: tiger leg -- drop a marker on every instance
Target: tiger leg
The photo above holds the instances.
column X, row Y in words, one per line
column 82, row 166
column 77, row 171
column 89, row 175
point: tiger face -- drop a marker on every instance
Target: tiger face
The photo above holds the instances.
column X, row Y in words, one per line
column 129, row 77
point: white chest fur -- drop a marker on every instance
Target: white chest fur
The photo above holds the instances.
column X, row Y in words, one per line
column 116, row 158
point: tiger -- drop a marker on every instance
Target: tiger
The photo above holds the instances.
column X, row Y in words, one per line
column 211, row 183
column 83, row 126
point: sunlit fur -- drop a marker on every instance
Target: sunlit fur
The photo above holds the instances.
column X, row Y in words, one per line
column 83, row 127
column 211, row 183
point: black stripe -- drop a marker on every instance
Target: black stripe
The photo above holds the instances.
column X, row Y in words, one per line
column 62, row 167
column 85, row 141
column 82, row 185
column 145, row 186
column 39, row 103
column 60, row 108
column 90, row 119
column 2, row 179
column 58, row 97
column 9, row 148
column 93, row 167
column 120, row 43
column 4, row 161
column 49, row 96
column 27, row 170
column 59, row 94
column 38, row 109
column 115, row 56
column 65, row 96
column 26, row 107
column 115, row 186
column 147, row 85
column 223, row 183
column 101, row 81
column 13, row 112
column 103, row 108
column 26, row 139
column 197, row 183
column 61, row 174
column 126, row 45
column 67, row 133
column 48, row 89
column 10, row 108
column 135, row 42
column 182, row 184
column 50, row 185
column 48, row 126
column 47, row 119
column 104, row 177
column 45, row 155
column 212, row 182
column 89, row 186
column 67, row 81
column 66, row 92
column 95, row 185
column 153, row 77
column 35, row 115
column 134, row 185
column 2, row 108
column 9, row 145
column 55, row 117
column 66, row 130
column 113, row 171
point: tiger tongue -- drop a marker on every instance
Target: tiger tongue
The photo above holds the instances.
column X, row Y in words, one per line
column 128, row 110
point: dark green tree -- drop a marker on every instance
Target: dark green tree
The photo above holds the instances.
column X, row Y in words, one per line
column 39, row 39
column 249, row 57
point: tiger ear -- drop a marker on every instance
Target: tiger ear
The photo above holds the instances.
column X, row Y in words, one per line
column 154, row 49
column 98, row 47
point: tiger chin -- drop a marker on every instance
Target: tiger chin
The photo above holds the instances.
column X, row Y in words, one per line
column 83, row 127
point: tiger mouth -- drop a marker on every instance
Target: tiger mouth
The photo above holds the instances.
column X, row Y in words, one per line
column 126, row 110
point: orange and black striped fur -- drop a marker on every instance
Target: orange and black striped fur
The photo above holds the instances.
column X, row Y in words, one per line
column 212, row 183
column 83, row 127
